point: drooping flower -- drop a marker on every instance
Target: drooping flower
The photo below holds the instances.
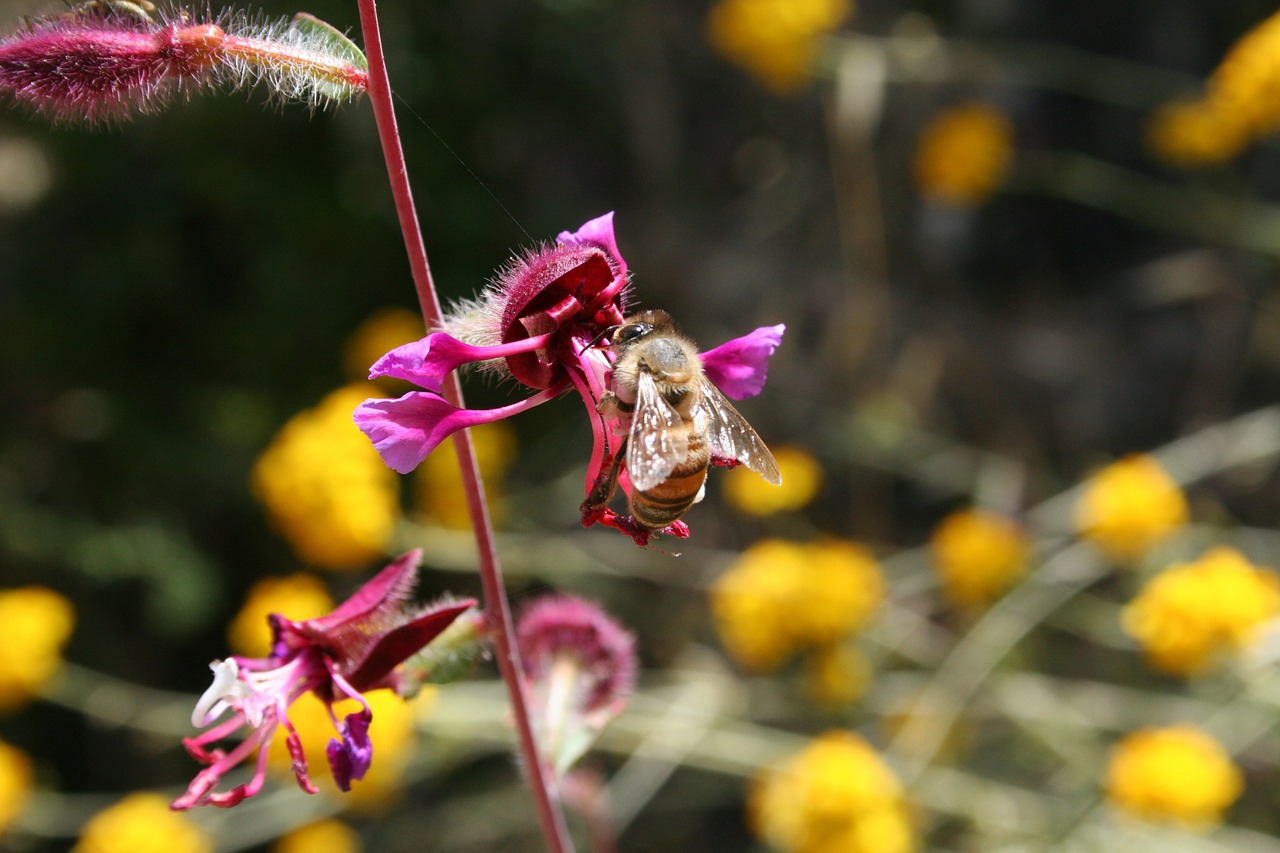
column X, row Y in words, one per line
column 581, row 666
column 1192, row 614
column 775, row 40
column 106, row 59
column 836, row 796
column 16, row 777
column 780, row 597
column 1176, row 774
column 963, row 155
column 1129, row 506
column 37, row 624
column 141, row 823
column 978, row 554
column 324, row 489
column 540, row 323
column 356, row 648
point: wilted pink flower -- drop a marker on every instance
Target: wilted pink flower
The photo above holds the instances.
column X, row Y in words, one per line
column 540, row 323
column 356, row 648
column 581, row 665
column 108, row 58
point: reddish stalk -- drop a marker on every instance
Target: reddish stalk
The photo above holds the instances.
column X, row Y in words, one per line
column 498, row 609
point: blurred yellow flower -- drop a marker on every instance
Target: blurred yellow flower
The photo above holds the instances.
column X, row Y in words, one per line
column 392, row 732
column 325, row 488
column 299, row 596
column 323, row 836
column 378, row 335
column 978, row 554
column 1241, row 103
column 15, row 783
column 836, row 796
column 141, row 823
column 774, row 40
column 438, row 483
column 836, row 675
column 1176, row 774
column 963, row 155
column 37, row 623
column 747, row 492
column 1129, row 506
column 1191, row 614
column 780, row 597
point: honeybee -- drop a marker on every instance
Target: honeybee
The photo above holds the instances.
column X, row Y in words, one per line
column 678, row 420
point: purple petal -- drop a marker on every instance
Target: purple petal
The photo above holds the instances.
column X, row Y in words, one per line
column 428, row 361
column 405, row 430
column 739, row 367
column 349, row 758
column 597, row 232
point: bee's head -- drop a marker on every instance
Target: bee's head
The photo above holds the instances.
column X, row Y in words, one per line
column 637, row 326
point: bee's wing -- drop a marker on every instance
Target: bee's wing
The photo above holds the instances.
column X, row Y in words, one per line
column 731, row 436
column 657, row 442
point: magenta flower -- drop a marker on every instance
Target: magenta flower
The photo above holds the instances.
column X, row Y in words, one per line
column 356, row 648
column 581, row 666
column 540, row 323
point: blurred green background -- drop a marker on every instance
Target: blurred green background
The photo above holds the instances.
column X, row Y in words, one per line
column 179, row 285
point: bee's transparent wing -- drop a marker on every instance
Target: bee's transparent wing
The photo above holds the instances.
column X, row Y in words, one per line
column 658, row 441
column 731, row 436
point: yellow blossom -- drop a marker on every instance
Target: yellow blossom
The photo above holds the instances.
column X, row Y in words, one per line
column 836, row 796
column 978, row 554
column 1191, row 614
column 325, row 488
column 141, row 823
column 775, row 40
column 378, row 335
column 299, row 596
column 15, row 783
column 1129, row 506
column 963, row 155
column 37, row 624
column 780, row 597
column 1176, row 774
column 747, row 492
column 392, row 732
column 438, row 484
column 1240, row 104
column 323, row 836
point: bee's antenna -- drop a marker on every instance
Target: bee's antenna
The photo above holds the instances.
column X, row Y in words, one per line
column 609, row 331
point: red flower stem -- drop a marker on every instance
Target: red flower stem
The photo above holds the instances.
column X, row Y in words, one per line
column 498, row 608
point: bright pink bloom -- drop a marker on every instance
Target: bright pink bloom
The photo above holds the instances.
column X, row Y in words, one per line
column 539, row 323
column 356, row 648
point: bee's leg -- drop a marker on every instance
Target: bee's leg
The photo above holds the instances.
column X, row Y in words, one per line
column 607, row 483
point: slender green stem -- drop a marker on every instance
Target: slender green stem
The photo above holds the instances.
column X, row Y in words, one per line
column 541, row 780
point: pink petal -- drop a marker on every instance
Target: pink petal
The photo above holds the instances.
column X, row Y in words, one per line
column 428, row 361
column 389, row 588
column 597, row 232
column 739, row 367
column 405, row 430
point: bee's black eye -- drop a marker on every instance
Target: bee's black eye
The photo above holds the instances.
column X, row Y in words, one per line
column 631, row 331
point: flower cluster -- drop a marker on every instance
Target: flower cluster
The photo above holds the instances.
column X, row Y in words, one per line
column 359, row 647
column 581, row 665
column 541, row 323
column 783, row 597
column 108, row 58
column 329, row 835
column 1191, row 614
column 141, row 823
column 775, row 40
column 963, row 155
column 836, row 796
column 752, row 495
column 978, row 554
column 325, row 491
column 16, row 777
column 1175, row 774
column 1129, row 506
column 1240, row 104
column 38, row 623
